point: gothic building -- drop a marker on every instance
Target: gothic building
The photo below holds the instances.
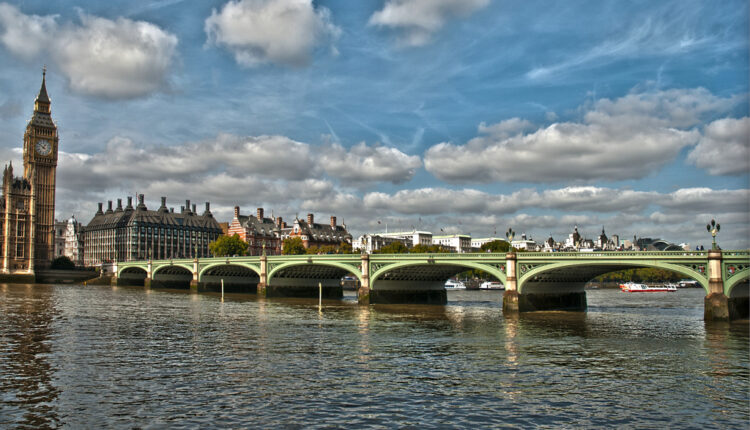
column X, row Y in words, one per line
column 259, row 232
column 314, row 234
column 27, row 208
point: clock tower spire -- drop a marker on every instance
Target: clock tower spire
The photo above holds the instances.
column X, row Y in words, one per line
column 40, row 146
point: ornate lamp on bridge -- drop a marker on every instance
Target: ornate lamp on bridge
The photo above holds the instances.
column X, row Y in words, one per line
column 713, row 228
column 510, row 234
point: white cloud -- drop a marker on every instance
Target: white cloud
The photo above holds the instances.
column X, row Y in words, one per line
column 418, row 20
column 625, row 138
column 724, row 148
column 369, row 163
column 106, row 58
column 277, row 31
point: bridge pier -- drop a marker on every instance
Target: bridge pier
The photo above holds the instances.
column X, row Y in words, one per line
column 263, row 283
column 562, row 296
column 716, row 305
column 510, row 296
column 363, row 293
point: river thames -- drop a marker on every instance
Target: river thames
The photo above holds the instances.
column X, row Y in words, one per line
column 92, row 357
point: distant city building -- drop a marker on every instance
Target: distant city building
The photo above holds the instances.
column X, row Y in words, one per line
column 60, row 228
column 416, row 237
column 374, row 242
column 573, row 240
column 137, row 233
column 74, row 241
column 314, row 234
column 526, row 244
column 456, row 242
column 476, row 244
column 257, row 231
column 649, row 244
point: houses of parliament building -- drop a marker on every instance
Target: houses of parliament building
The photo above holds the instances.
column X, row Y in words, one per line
column 27, row 207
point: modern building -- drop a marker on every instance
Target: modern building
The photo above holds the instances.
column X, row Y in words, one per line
column 259, row 232
column 423, row 238
column 314, row 234
column 136, row 233
column 456, row 242
column 27, row 208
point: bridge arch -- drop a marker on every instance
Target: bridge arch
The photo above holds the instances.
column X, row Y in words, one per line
column 228, row 265
column 441, row 269
column 236, row 277
column 172, row 276
column 132, row 275
column 544, row 273
column 288, row 269
column 738, row 279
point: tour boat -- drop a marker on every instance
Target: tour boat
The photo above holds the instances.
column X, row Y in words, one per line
column 452, row 284
column 489, row 285
column 632, row 287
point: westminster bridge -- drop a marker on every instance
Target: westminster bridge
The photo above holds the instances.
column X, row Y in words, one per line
column 533, row 280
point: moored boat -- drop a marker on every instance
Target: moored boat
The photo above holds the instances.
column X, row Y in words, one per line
column 452, row 284
column 490, row 285
column 634, row 287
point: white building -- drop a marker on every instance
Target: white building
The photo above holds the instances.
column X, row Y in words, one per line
column 373, row 242
column 477, row 243
column 525, row 244
column 416, row 237
column 74, row 241
column 457, row 242
column 59, row 233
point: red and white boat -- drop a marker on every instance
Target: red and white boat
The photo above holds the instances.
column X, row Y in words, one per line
column 633, row 287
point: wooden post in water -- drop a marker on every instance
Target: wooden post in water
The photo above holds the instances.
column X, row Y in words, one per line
column 320, row 296
column 222, row 289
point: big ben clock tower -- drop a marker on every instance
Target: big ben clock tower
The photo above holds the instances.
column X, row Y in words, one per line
column 40, row 143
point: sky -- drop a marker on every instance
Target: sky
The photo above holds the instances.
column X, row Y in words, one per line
column 452, row 116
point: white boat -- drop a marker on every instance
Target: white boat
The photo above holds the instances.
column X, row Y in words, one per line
column 490, row 285
column 452, row 284
column 633, row 287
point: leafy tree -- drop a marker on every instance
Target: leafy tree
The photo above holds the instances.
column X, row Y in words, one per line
column 394, row 248
column 62, row 263
column 293, row 246
column 496, row 246
column 427, row 249
column 312, row 250
column 225, row 246
column 345, row 248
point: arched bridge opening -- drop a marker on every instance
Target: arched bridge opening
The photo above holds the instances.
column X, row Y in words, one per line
column 177, row 277
column 424, row 282
column 302, row 279
column 133, row 276
column 561, row 285
column 236, row 278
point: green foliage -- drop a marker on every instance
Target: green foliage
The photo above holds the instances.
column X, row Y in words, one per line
column 62, row 263
column 226, row 246
column 496, row 246
column 345, row 248
column 640, row 275
column 428, row 249
column 394, row 248
column 293, row 246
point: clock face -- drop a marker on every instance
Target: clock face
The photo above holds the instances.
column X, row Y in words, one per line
column 43, row 147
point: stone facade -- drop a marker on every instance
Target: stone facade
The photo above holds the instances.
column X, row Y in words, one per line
column 257, row 231
column 313, row 234
column 136, row 233
column 27, row 208
column 74, row 241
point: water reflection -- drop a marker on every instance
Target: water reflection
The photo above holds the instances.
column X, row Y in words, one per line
column 28, row 397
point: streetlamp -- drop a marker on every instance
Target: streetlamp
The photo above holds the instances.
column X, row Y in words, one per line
column 510, row 234
column 713, row 228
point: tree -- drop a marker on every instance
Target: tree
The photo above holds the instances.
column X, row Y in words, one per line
column 225, row 246
column 394, row 248
column 345, row 248
column 496, row 246
column 292, row 246
column 62, row 263
column 427, row 249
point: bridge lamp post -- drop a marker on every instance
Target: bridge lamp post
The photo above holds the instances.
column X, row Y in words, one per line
column 510, row 234
column 713, row 228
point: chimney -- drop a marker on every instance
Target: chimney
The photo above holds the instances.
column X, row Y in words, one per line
column 187, row 205
column 140, row 200
column 109, row 207
column 99, row 212
column 237, row 212
column 283, row 224
column 278, row 221
column 119, row 205
column 333, row 221
column 182, row 209
column 130, row 203
column 260, row 214
column 310, row 219
column 163, row 202
column 208, row 208
column 194, row 209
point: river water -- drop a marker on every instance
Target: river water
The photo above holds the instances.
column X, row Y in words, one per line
column 101, row 357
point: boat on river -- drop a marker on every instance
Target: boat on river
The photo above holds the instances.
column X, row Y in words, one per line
column 634, row 287
column 452, row 284
column 491, row 285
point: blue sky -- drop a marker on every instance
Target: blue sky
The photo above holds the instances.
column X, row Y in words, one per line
column 463, row 115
